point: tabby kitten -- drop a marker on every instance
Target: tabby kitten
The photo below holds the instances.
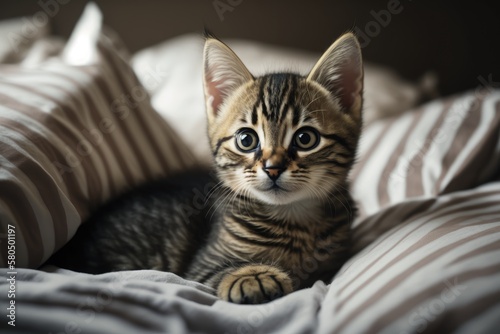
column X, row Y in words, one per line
column 279, row 218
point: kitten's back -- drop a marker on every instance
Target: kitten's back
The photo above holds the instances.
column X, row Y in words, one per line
column 135, row 231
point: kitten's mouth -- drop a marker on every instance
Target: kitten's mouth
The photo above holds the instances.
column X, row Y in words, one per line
column 278, row 193
column 275, row 187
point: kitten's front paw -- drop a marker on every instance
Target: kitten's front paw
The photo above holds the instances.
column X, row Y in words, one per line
column 254, row 284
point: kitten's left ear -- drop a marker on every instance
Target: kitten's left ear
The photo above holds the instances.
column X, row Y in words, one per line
column 340, row 71
column 223, row 72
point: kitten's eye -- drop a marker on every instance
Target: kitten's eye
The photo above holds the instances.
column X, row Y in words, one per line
column 246, row 140
column 306, row 138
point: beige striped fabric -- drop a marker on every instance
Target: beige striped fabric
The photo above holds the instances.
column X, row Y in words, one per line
column 407, row 162
column 72, row 136
column 429, row 231
column 436, row 272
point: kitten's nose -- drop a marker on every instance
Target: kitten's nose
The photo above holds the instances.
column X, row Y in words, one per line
column 273, row 170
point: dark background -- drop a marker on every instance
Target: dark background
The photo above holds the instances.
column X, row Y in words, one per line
column 459, row 42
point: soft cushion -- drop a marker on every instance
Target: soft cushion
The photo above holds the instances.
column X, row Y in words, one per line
column 75, row 131
column 436, row 272
column 407, row 162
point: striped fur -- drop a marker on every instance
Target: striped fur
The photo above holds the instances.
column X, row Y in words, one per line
column 279, row 219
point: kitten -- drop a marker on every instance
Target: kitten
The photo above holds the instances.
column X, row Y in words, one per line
column 279, row 218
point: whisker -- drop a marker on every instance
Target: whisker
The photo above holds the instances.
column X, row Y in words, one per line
column 214, row 190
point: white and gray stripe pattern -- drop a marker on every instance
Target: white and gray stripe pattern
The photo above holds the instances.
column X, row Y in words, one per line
column 72, row 137
column 405, row 163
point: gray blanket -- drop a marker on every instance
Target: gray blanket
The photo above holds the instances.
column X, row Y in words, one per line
column 147, row 301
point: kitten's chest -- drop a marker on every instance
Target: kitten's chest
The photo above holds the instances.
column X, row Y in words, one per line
column 311, row 253
column 306, row 245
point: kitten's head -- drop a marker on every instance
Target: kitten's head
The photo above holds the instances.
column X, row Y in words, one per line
column 283, row 137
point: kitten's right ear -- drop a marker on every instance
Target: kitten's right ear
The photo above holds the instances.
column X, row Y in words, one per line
column 223, row 72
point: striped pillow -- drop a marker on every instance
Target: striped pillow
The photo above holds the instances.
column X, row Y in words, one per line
column 437, row 272
column 72, row 136
column 407, row 162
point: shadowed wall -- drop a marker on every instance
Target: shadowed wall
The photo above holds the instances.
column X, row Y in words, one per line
column 459, row 43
